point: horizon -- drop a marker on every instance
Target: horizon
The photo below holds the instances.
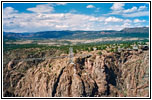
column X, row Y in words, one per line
column 36, row 17
column 79, row 30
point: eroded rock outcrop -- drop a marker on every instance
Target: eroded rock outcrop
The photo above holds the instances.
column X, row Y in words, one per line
column 115, row 74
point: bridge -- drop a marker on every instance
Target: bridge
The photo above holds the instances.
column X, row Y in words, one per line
column 70, row 56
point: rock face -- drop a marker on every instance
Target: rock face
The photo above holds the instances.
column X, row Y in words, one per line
column 109, row 75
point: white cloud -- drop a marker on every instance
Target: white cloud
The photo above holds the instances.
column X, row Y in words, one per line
column 43, row 8
column 142, row 8
column 61, row 26
column 117, row 6
column 94, row 19
column 73, row 11
column 61, row 3
column 118, row 9
column 126, row 25
column 137, row 14
column 34, row 22
column 133, row 9
column 127, row 21
column 113, row 19
column 90, row 6
column 139, row 21
column 9, row 10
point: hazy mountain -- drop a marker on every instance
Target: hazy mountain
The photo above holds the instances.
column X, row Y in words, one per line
column 136, row 30
column 140, row 32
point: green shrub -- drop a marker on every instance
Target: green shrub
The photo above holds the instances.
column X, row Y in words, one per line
column 100, row 53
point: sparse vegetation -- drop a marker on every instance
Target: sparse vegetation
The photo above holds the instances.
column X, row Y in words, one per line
column 100, row 53
column 33, row 50
column 111, row 47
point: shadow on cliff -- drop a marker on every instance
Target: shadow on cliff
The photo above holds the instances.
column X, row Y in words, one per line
column 56, row 83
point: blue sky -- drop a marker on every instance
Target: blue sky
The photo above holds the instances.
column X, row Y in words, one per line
column 34, row 17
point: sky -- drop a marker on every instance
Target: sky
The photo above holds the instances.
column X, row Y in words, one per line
column 34, row 17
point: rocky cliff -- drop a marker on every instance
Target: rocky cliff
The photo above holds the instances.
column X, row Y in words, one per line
column 124, row 74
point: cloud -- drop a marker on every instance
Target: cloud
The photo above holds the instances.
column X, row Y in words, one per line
column 133, row 9
column 90, row 6
column 127, row 21
column 142, row 8
column 117, row 6
column 43, row 8
column 126, row 25
column 61, row 3
column 113, row 19
column 139, row 21
column 34, row 22
column 61, row 26
column 9, row 10
column 73, row 11
column 118, row 9
column 137, row 14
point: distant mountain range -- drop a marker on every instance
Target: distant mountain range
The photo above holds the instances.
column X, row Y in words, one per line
column 138, row 32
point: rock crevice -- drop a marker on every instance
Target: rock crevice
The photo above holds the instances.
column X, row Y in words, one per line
column 96, row 76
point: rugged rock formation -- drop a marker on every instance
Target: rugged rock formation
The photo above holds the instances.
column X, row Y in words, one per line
column 114, row 74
